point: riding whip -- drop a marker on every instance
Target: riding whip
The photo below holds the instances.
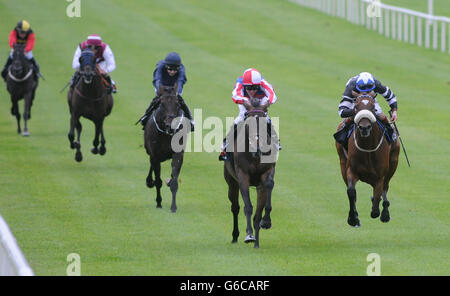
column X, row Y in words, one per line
column 400, row 138
column 67, row 84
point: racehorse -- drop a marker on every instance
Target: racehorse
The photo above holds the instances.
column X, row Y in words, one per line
column 370, row 158
column 251, row 164
column 21, row 84
column 162, row 141
column 88, row 98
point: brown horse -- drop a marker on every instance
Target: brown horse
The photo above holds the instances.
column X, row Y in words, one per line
column 370, row 158
column 252, row 163
column 21, row 84
column 165, row 135
column 88, row 98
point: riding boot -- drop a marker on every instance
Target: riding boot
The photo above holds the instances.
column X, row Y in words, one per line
column 187, row 112
column 5, row 68
column 223, row 153
column 153, row 105
column 392, row 136
column 341, row 135
column 109, row 87
column 35, row 68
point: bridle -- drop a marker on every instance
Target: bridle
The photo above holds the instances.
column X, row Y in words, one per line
column 168, row 130
column 371, row 117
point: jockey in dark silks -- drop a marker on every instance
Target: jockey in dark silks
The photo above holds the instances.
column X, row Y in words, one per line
column 365, row 83
column 22, row 34
column 169, row 72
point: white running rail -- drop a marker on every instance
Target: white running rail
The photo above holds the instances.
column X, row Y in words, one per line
column 12, row 261
column 394, row 22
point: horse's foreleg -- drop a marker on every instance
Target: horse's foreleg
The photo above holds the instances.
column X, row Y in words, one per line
column 268, row 183
column 77, row 144
column 244, row 187
column 351, row 193
column 233, row 196
column 149, row 180
column 376, row 198
column 260, row 204
column 177, row 162
column 96, row 140
column 15, row 112
column 156, row 165
column 102, row 150
column 26, row 114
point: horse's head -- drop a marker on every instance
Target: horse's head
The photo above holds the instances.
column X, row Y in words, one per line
column 170, row 107
column 87, row 66
column 18, row 66
column 255, row 107
column 365, row 113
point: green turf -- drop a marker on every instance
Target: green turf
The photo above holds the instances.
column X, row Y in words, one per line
column 101, row 208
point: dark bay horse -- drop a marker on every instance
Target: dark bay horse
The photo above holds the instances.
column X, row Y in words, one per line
column 252, row 163
column 165, row 135
column 370, row 158
column 88, row 98
column 21, row 84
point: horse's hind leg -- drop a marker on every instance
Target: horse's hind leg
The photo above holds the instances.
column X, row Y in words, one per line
column 233, row 196
column 393, row 162
column 177, row 162
column 102, row 150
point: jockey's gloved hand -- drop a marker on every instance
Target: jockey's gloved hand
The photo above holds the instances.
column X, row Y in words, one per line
column 347, row 113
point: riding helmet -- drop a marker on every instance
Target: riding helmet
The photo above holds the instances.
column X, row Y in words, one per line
column 172, row 59
column 251, row 77
column 23, row 26
column 365, row 82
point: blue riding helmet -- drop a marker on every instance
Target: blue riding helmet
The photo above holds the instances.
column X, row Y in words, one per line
column 172, row 59
column 365, row 82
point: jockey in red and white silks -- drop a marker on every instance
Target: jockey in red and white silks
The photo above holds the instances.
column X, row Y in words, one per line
column 251, row 85
column 104, row 54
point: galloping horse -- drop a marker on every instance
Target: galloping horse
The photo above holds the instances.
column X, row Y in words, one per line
column 370, row 158
column 251, row 164
column 161, row 141
column 90, row 99
column 21, row 84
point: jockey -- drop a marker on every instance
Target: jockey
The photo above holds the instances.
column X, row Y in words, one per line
column 250, row 85
column 365, row 83
column 168, row 72
column 22, row 34
column 105, row 60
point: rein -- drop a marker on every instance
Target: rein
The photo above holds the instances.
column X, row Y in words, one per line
column 20, row 79
column 368, row 150
column 165, row 131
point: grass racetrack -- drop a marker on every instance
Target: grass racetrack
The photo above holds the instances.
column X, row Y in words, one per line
column 102, row 210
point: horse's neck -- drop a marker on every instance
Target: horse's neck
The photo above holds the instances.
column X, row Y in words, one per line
column 93, row 89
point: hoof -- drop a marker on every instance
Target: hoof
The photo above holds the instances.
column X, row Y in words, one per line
column 385, row 217
column 375, row 214
column 72, row 145
column 234, row 241
column 94, row 150
column 354, row 222
column 78, row 157
column 249, row 239
column 256, row 246
column 158, row 206
column 102, row 150
column 168, row 181
column 265, row 224
column 173, row 210
column 26, row 134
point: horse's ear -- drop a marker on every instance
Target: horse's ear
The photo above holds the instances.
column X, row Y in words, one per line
column 355, row 94
column 175, row 88
column 372, row 94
